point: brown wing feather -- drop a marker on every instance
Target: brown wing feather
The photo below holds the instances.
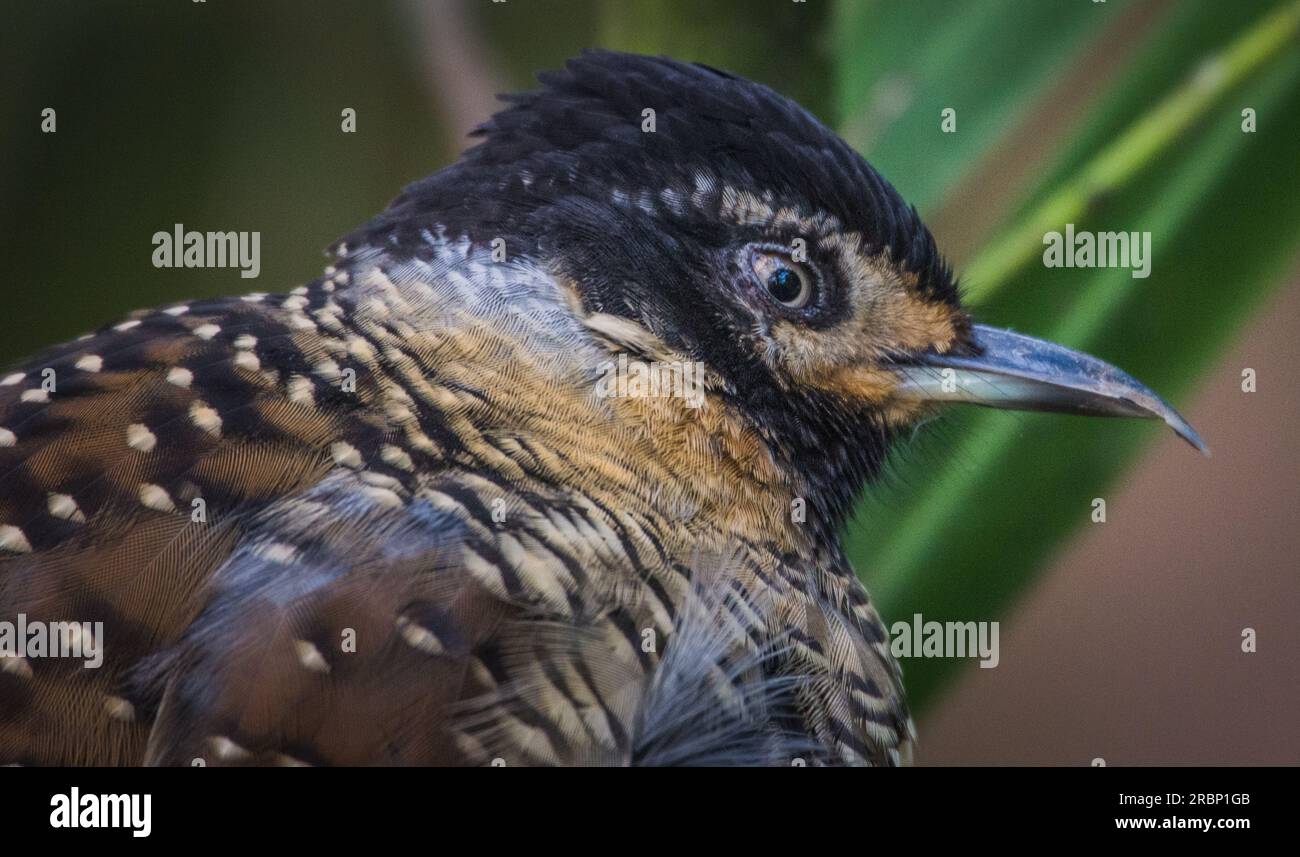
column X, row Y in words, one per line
column 130, row 461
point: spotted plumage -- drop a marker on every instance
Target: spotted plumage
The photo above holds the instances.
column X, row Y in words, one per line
column 389, row 517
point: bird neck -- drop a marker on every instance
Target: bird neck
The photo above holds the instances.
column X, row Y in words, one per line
column 501, row 357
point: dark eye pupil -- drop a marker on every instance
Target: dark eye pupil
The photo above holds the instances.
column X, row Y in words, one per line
column 784, row 285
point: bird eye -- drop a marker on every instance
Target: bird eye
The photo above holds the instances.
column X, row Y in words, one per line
column 789, row 283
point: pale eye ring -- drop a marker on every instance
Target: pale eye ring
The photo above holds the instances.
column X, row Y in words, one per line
column 787, row 282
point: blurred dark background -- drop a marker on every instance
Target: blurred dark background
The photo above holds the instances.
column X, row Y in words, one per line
column 1119, row 641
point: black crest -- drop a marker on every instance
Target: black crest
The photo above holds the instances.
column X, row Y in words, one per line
column 581, row 133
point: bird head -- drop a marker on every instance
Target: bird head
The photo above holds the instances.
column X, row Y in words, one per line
column 718, row 221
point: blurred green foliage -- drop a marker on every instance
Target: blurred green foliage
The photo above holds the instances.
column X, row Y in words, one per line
column 226, row 115
column 216, row 115
column 973, row 512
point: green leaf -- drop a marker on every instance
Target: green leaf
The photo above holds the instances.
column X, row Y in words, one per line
column 974, row 511
column 901, row 64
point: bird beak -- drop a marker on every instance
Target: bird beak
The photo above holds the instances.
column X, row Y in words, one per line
column 1010, row 370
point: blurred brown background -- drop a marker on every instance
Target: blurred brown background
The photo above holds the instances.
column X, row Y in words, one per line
column 1129, row 647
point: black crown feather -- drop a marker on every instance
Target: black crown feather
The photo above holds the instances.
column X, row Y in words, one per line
column 581, row 133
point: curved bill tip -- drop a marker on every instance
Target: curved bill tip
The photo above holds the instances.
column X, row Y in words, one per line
column 1184, row 429
column 1011, row 370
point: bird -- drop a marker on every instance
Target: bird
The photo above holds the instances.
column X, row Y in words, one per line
column 549, row 466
